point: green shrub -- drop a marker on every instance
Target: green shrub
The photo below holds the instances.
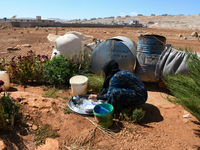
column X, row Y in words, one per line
column 2, row 64
column 94, row 83
column 186, row 87
column 9, row 109
column 58, row 71
column 26, row 69
column 135, row 116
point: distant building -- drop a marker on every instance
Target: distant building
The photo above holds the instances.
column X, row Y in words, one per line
column 134, row 22
column 140, row 15
column 150, row 22
column 27, row 22
column 153, row 15
column 93, row 19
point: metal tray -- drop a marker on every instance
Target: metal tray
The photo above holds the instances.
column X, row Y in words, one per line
column 79, row 108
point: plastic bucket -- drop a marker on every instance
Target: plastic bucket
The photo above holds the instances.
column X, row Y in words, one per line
column 79, row 84
column 4, row 76
column 105, row 120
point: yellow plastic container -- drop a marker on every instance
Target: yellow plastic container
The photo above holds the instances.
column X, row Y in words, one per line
column 79, row 84
column 4, row 76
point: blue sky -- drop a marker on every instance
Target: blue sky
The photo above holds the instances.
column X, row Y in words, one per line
column 80, row 9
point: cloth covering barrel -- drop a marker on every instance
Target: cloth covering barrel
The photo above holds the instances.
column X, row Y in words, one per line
column 149, row 50
column 120, row 49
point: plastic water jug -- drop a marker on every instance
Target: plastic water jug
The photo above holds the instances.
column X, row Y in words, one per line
column 4, row 76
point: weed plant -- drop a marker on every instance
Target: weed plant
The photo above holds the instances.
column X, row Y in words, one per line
column 134, row 117
column 9, row 109
column 94, row 83
column 67, row 110
column 58, row 71
column 45, row 132
column 186, row 87
column 26, row 69
column 51, row 93
column 82, row 63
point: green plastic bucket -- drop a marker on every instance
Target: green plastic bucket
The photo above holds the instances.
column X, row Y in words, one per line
column 105, row 120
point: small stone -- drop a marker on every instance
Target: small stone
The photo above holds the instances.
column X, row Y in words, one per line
column 23, row 131
column 180, row 35
column 26, row 45
column 16, row 48
column 9, row 48
column 185, row 120
column 34, row 127
column 2, row 145
column 56, row 128
column 152, row 145
column 139, row 31
column 194, row 34
column 50, row 144
column 19, row 46
column 29, row 124
column 3, row 27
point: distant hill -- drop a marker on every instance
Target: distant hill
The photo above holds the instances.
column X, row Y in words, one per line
column 57, row 19
column 164, row 21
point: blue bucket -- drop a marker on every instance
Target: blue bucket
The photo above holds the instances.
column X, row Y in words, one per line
column 148, row 52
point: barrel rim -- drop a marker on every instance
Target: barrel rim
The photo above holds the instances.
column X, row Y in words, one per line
column 151, row 35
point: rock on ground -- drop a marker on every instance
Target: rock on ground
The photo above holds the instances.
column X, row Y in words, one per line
column 50, row 144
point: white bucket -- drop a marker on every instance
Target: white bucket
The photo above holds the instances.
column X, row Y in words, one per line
column 4, row 76
column 79, row 84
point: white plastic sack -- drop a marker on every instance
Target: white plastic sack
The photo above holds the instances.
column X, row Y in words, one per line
column 68, row 45
column 171, row 61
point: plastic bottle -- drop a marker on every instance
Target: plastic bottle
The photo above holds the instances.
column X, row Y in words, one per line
column 4, row 76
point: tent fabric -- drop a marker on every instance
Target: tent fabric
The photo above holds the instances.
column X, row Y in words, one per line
column 171, row 61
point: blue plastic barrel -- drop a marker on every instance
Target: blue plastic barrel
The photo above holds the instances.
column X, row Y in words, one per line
column 148, row 51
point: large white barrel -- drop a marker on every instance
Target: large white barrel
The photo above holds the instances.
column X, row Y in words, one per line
column 4, row 76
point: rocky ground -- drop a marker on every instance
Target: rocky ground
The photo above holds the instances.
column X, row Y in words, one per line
column 163, row 127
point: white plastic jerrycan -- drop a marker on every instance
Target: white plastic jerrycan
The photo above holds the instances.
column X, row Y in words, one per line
column 4, row 76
